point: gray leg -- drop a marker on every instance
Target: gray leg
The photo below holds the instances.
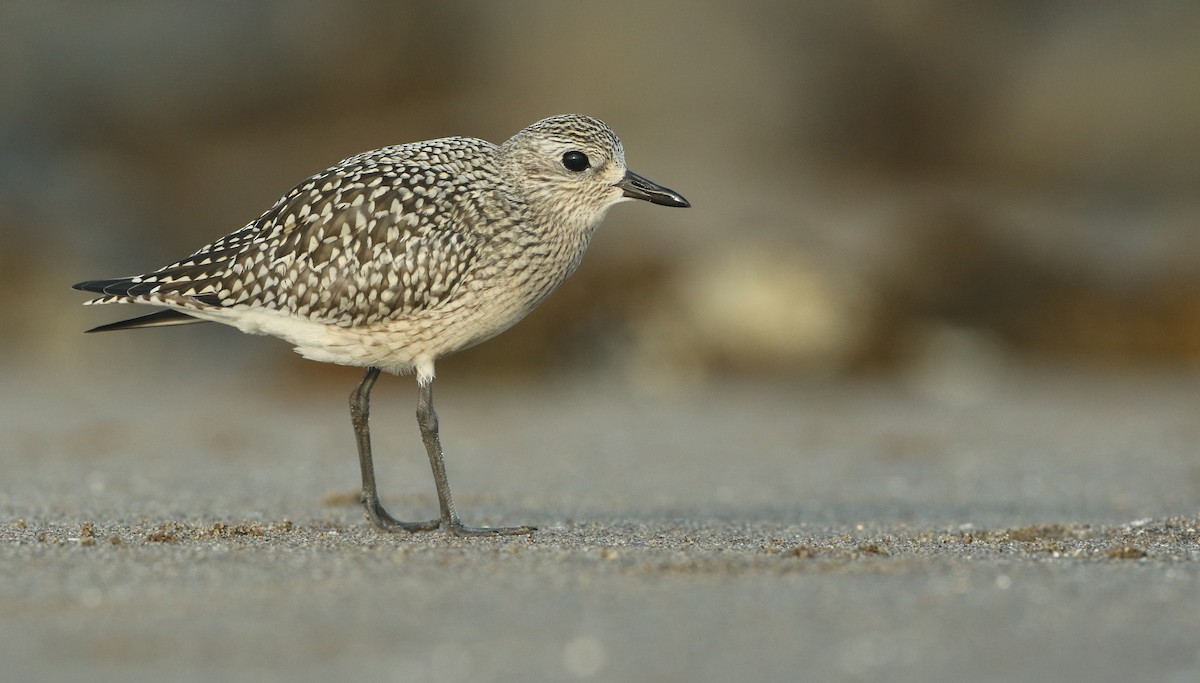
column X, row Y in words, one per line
column 428, row 421
column 360, row 410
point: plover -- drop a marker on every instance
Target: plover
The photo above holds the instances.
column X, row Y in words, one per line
column 399, row 256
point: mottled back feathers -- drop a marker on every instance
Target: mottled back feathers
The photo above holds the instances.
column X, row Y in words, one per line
column 383, row 233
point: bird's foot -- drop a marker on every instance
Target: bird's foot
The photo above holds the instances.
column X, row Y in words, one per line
column 457, row 528
column 385, row 522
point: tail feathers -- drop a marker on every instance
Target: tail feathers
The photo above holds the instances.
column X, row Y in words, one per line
column 119, row 285
column 130, row 290
column 137, row 290
column 165, row 318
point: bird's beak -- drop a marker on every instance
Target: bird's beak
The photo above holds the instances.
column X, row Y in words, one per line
column 637, row 187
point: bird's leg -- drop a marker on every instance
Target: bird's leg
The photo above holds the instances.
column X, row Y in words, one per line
column 360, row 410
column 428, row 421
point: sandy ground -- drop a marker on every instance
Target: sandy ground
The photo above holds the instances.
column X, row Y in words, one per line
column 1029, row 527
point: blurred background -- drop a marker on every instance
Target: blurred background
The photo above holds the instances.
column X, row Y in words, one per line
column 929, row 189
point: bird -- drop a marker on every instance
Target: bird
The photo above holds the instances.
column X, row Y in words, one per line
column 399, row 256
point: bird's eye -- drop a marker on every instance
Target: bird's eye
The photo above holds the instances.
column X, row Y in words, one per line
column 576, row 161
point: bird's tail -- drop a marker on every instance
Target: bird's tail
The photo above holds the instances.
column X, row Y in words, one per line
column 114, row 291
column 165, row 318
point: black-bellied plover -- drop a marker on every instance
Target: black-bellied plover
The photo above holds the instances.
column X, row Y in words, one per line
column 396, row 257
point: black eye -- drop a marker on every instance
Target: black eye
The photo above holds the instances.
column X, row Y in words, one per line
column 576, row 161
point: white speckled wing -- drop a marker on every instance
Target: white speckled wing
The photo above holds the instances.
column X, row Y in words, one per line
column 383, row 234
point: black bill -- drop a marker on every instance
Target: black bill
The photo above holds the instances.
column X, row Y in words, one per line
column 637, row 187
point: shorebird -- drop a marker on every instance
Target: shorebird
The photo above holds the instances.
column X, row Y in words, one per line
column 399, row 256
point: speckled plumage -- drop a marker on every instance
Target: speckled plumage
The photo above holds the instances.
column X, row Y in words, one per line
column 398, row 256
